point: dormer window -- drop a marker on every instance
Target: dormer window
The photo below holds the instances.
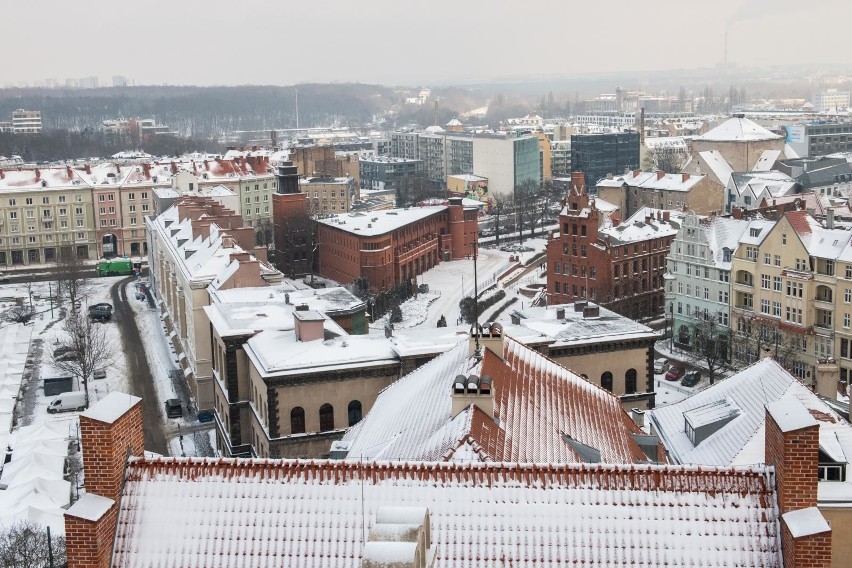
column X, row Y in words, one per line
column 829, row 469
column 726, row 254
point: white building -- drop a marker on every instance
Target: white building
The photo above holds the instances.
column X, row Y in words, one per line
column 831, row 100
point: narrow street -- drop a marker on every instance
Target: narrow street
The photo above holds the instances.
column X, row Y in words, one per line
column 139, row 375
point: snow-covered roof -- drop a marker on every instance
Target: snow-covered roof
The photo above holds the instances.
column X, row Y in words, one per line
column 574, row 329
column 723, row 233
column 741, row 441
column 111, row 407
column 427, row 341
column 761, row 185
column 717, row 164
column 90, row 507
column 654, row 181
column 756, row 231
column 636, row 229
column 537, row 403
column 805, row 522
column 766, row 160
column 277, row 352
column 380, row 222
column 256, row 513
column 248, row 318
column 738, row 129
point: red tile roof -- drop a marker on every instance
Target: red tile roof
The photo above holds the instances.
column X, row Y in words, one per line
column 799, row 221
column 239, row 513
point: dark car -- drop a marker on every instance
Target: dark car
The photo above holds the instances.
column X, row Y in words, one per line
column 675, row 372
column 691, row 379
column 100, row 312
column 174, row 409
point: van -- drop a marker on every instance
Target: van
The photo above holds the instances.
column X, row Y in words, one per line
column 75, row 400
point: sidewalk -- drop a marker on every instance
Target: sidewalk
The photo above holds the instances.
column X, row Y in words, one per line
column 663, row 347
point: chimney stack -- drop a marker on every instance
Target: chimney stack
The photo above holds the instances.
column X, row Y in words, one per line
column 829, row 218
column 792, row 448
column 308, row 325
column 475, row 390
column 110, row 432
column 684, row 177
column 660, row 174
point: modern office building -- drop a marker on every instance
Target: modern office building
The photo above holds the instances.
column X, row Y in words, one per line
column 383, row 172
column 597, row 155
column 819, row 138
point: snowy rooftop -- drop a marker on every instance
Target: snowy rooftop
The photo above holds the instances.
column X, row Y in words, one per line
column 574, row 329
column 636, row 229
column 326, row 300
column 722, row 233
column 740, row 441
column 756, row 231
column 805, row 522
column 427, row 340
column 537, row 403
column 716, row 162
column 247, row 318
column 738, row 129
column 255, row 513
column 111, row 407
column 280, row 353
column 380, row 222
column 651, row 180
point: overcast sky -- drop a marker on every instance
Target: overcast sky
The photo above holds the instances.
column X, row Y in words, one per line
column 212, row 42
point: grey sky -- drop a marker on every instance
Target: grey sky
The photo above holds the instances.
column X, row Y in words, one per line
column 401, row 42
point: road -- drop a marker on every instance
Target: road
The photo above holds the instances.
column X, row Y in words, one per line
column 139, row 376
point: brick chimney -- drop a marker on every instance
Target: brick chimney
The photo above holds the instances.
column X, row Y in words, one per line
column 792, row 448
column 88, row 169
column 684, row 177
column 661, row 174
column 110, row 431
column 578, row 179
column 38, row 174
column 473, row 389
column 146, row 169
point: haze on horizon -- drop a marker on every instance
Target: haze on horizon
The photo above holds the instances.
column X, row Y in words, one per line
column 391, row 42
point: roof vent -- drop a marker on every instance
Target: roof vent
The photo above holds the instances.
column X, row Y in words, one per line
column 560, row 313
column 703, row 421
column 580, row 306
column 587, row 453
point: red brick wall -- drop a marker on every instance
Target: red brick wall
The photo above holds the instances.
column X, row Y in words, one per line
column 88, row 544
column 105, row 450
column 795, row 456
column 812, row 551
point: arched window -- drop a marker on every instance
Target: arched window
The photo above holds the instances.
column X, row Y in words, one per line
column 297, row 420
column 326, row 415
column 606, row 381
column 630, row 381
column 354, row 412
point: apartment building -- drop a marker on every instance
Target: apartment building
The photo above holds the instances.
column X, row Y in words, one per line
column 619, row 265
column 45, row 214
column 194, row 245
column 327, row 195
column 23, row 122
column 385, row 172
column 748, row 190
column 659, row 190
column 786, row 295
column 698, row 277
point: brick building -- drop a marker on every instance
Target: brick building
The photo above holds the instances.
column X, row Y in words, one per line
column 387, row 247
column 619, row 265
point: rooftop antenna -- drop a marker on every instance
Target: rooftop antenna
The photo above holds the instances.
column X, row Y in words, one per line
column 477, row 352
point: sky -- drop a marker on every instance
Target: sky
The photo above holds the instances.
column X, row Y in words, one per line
column 213, row 42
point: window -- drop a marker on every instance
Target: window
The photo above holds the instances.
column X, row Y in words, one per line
column 764, row 281
column 102, row 210
column 326, row 416
column 751, row 253
column 846, row 320
column 29, row 200
column 13, row 214
column 723, row 296
column 78, row 210
column 783, row 238
column 102, row 197
column 794, row 289
column 61, row 199
column 764, row 306
column 847, row 295
column 776, row 309
column 776, row 283
column 354, row 412
column 630, row 381
column 849, row 272
column 606, row 381
column 80, row 223
column 777, row 259
column 794, row 315
column 30, row 214
column 12, row 202
column 131, row 196
column 145, row 207
column 297, row 420
column 144, row 195
column 45, row 200
column 133, row 209
column 133, row 220
column 78, row 198
column 63, row 211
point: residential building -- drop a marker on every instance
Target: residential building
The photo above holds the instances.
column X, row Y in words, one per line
column 384, row 172
column 509, row 161
column 784, row 293
column 726, row 425
column 698, row 277
column 431, row 514
column 26, row 121
column 658, row 190
column 596, row 257
column 196, row 244
column 560, row 158
column 45, row 214
column 747, row 191
column 831, row 100
column 327, row 195
column 388, row 247
column 604, row 348
column 405, row 145
column 828, row 176
column 461, row 406
column 600, row 154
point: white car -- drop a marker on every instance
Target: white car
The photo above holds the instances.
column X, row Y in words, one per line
column 660, row 365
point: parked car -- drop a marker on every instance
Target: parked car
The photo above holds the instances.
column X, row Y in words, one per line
column 74, row 400
column 174, row 409
column 100, row 312
column 675, row 372
column 64, row 354
column 660, row 365
column 691, row 379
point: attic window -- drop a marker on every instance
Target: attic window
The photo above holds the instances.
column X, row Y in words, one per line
column 829, row 469
column 754, row 232
column 726, row 254
column 587, row 453
column 703, row 421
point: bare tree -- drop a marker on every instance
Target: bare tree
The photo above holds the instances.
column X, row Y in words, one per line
column 73, row 278
column 667, row 161
column 86, row 347
column 710, row 344
column 501, row 206
column 25, row 545
column 18, row 314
